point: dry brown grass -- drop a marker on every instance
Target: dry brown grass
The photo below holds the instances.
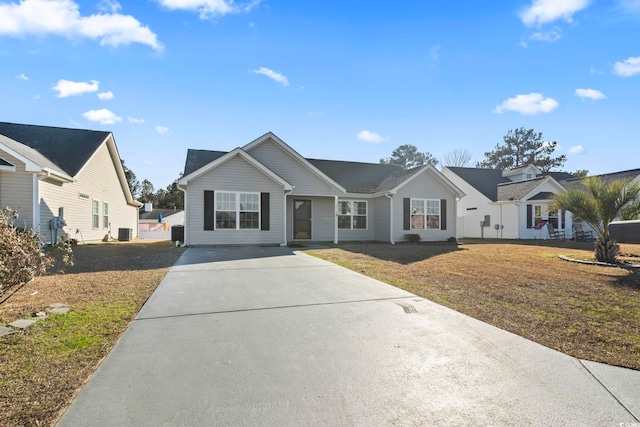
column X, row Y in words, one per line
column 43, row 367
column 587, row 311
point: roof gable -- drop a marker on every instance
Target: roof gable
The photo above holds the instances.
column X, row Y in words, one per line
column 270, row 137
column 199, row 158
column 66, row 149
column 238, row 152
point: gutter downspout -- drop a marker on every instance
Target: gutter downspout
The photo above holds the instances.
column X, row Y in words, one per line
column 335, row 220
column 186, row 217
column 390, row 197
column 284, row 218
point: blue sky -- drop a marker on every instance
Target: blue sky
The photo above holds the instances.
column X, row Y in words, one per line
column 334, row 79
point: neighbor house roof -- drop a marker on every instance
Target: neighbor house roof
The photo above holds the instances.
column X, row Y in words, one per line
column 153, row 214
column 62, row 149
column 484, row 180
column 518, row 189
column 496, row 187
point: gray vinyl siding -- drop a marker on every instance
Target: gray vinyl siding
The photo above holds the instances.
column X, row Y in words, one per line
column 323, row 216
column 424, row 186
column 360, row 235
column 282, row 163
column 16, row 189
column 99, row 180
column 239, row 176
column 381, row 207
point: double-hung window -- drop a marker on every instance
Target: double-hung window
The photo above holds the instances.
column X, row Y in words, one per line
column 425, row 214
column 236, row 211
column 352, row 215
column 95, row 214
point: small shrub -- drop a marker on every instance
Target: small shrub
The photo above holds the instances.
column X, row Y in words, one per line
column 21, row 254
column 452, row 239
column 412, row 238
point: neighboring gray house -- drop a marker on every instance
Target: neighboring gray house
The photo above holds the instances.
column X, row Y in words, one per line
column 267, row 193
column 508, row 204
column 47, row 171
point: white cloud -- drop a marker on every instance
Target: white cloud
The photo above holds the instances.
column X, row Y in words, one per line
column 627, row 68
column 372, row 137
column 547, row 36
column 162, row 129
column 272, row 75
column 102, row 116
column 109, row 6
column 595, row 72
column 22, row 76
column 134, row 120
column 545, row 11
column 576, row 149
column 68, row 88
column 105, row 96
column 590, row 93
column 209, row 8
column 62, row 18
column 529, row 104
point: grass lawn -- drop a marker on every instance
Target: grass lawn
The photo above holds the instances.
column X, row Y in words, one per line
column 586, row 311
column 43, row 367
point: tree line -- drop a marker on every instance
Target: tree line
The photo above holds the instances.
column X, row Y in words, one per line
column 521, row 147
column 170, row 197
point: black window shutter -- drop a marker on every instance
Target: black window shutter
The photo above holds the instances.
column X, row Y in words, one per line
column 529, row 216
column 264, row 211
column 443, row 214
column 208, row 210
column 407, row 213
column 562, row 218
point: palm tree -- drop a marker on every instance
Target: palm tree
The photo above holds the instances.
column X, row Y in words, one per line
column 598, row 203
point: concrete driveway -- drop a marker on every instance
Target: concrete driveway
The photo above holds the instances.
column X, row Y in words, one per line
column 268, row 336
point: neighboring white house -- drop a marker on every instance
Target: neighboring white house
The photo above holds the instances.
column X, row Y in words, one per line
column 508, row 204
column 267, row 193
column 50, row 172
column 156, row 223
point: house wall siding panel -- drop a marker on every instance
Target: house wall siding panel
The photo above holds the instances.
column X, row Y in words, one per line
column 234, row 175
column 381, row 207
column 362, row 235
column 16, row 189
column 284, row 165
column 323, row 216
column 99, row 180
column 424, row 186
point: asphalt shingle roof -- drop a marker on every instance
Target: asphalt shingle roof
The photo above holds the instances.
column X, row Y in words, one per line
column 66, row 149
column 355, row 177
column 153, row 214
column 199, row 158
column 518, row 189
column 484, row 180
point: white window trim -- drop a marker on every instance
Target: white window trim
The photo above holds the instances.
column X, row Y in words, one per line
column 237, row 210
column 94, row 214
column 351, row 215
column 426, row 207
